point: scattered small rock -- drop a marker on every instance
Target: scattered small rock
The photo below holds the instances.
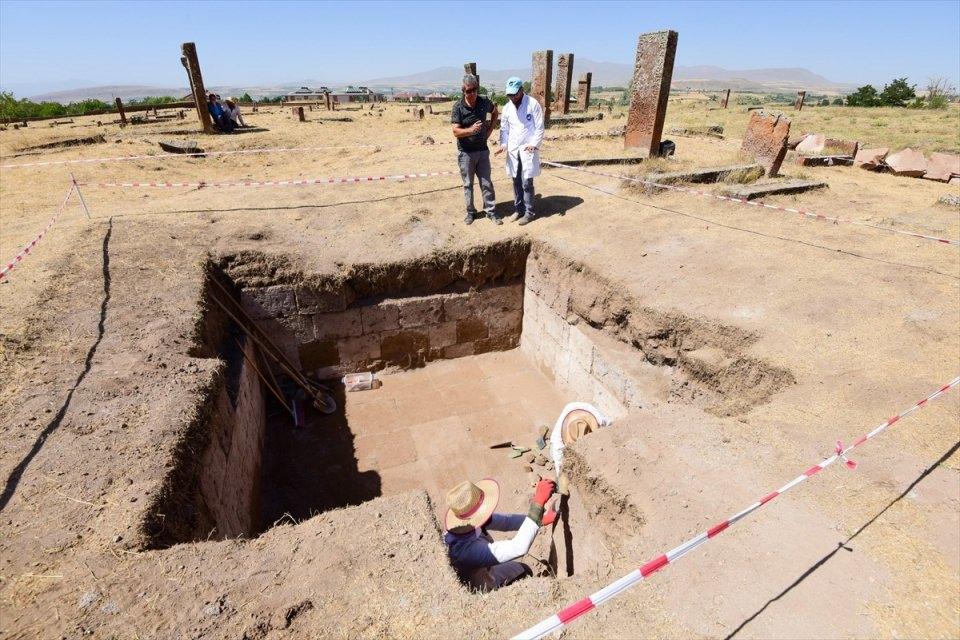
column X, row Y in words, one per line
column 950, row 199
column 87, row 599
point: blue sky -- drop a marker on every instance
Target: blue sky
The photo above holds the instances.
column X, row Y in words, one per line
column 92, row 43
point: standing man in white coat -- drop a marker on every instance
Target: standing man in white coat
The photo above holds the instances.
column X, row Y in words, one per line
column 521, row 133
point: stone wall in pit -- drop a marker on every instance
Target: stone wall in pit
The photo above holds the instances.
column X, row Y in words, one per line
column 399, row 332
column 570, row 355
column 228, row 505
column 596, row 339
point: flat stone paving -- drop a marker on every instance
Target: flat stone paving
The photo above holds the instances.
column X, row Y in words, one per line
column 433, row 427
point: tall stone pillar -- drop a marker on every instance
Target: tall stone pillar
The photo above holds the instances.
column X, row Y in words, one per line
column 540, row 82
column 798, row 105
column 192, row 63
column 583, row 91
column 326, row 98
column 471, row 67
column 650, row 90
column 123, row 114
column 726, row 99
column 564, row 79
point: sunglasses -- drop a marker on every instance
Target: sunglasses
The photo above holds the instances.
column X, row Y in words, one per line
column 474, row 90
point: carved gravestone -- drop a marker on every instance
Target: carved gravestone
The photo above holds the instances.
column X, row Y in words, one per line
column 766, row 139
column 650, row 90
column 583, row 91
column 471, row 68
column 540, row 83
column 726, row 99
column 798, row 105
column 564, row 77
column 298, row 111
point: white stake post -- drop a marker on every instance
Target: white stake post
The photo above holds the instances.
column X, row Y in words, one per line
column 83, row 202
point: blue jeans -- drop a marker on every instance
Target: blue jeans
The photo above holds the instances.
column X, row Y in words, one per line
column 522, row 192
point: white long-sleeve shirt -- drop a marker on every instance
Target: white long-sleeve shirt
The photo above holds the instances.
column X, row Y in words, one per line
column 234, row 114
column 522, row 127
column 475, row 549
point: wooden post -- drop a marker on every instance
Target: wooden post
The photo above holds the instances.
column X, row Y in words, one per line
column 190, row 61
column 123, row 115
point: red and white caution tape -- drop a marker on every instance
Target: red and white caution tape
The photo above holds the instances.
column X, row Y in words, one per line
column 569, row 614
column 27, row 249
column 175, row 156
column 752, row 203
column 266, row 183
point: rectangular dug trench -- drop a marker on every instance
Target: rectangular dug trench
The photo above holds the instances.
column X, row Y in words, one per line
column 473, row 349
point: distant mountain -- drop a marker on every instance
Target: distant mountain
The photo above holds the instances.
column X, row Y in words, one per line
column 108, row 93
column 446, row 78
column 130, row 92
column 619, row 74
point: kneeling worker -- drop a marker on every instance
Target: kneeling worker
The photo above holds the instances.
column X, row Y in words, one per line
column 480, row 562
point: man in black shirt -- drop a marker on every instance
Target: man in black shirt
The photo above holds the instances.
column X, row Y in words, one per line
column 471, row 128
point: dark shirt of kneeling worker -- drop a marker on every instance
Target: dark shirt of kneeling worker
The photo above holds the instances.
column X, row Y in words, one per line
column 480, row 562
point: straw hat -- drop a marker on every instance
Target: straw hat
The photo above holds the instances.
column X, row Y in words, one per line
column 577, row 424
column 471, row 504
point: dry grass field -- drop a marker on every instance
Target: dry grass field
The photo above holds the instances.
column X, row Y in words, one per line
column 744, row 343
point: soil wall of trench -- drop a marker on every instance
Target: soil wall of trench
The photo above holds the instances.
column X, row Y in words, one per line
column 594, row 340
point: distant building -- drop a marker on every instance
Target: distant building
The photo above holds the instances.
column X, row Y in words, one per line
column 306, row 94
column 341, row 96
column 412, row 96
column 407, row 96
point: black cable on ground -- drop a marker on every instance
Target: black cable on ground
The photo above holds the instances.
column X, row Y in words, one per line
column 758, row 233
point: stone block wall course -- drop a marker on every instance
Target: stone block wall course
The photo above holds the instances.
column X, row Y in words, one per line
column 229, row 483
column 393, row 332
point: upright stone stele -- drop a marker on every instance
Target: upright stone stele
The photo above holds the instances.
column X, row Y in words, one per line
column 123, row 114
column 192, row 64
column 540, row 82
column 583, row 91
column 471, row 67
column 726, row 99
column 766, row 139
column 298, row 111
column 564, row 78
column 798, row 105
column 650, row 90
column 326, row 98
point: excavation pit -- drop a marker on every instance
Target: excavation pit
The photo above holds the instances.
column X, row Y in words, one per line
column 474, row 349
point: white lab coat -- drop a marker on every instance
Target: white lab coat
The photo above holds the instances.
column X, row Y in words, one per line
column 522, row 127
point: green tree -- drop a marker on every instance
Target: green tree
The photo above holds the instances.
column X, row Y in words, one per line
column 824, row 103
column 865, row 96
column 245, row 98
column 897, row 93
column 838, row 102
